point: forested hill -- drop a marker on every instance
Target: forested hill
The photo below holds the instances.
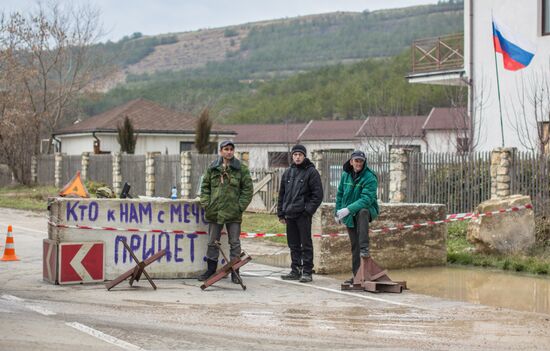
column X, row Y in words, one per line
column 226, row 68
column 287, row 44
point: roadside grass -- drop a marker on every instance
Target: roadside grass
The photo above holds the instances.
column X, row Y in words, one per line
column 34, row 198
column 264, row 223
column 459, row 250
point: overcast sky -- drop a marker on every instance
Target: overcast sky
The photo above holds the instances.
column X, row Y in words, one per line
column 124, row 17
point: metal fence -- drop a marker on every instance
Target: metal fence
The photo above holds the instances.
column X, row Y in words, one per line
column 5, row 175
column 331, row 171
column 132, row 170
column 167, row 174
column 46, row 169
column 459, row 181
column 100, row 169
column 69, row 166
column 530, row 177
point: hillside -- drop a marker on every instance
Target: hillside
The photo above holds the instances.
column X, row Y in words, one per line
column 229, row 68
column 286, row 45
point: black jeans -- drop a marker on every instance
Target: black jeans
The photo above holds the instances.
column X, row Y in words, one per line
column 233, row 235
column 298, row 235
column 359, row 238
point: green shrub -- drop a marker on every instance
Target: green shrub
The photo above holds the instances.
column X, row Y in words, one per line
column 92, row 186
column 230, row 33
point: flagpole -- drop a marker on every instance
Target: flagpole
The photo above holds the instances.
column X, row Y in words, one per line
column 499, row 103
column 498, row 88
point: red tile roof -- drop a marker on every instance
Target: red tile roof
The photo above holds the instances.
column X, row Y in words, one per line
column 330, row 130
column 266, row 133
column 146, row 117
column 387, row 126
column 445, row 118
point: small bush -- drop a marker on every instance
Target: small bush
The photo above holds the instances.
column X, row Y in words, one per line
column 542, row 231
column 518, row 266
column 92, row 186
column 541, row 268
column 230, row 33
column 457, row 230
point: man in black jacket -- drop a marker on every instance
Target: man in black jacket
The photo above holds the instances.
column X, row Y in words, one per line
column 300, row 195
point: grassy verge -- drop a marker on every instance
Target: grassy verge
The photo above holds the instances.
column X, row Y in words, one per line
column 461, row 252
column 263, row 223
column 26, row 198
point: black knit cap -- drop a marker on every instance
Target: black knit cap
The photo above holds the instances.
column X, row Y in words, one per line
column 299, row 148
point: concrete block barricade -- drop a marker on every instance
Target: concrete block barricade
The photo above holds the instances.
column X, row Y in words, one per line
column 175, row 225
column 403, row 248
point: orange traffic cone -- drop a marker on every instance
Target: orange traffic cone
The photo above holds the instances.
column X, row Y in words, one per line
column 9, row 250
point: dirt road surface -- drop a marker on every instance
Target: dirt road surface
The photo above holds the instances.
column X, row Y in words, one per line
column 270, row 315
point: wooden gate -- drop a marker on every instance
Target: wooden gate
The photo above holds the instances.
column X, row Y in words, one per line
column 266, row 189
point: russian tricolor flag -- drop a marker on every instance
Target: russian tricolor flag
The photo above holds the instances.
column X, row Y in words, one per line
column 516, row 52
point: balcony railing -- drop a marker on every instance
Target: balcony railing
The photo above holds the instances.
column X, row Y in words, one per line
column 438, row 54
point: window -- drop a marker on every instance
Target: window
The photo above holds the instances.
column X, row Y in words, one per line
column 278, row 159
column 186, row 146
column 545, row 17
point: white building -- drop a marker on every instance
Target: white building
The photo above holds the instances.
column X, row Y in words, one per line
column 166, row 131
column 269, row 145
column 159, row 130
column 524, row 93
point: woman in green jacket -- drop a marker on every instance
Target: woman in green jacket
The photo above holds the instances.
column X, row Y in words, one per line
column 357, row 205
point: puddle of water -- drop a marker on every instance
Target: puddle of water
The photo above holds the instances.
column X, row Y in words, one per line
column 479, row 286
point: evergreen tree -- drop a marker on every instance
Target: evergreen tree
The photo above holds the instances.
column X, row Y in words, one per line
column 127, row 137
column 202, row 132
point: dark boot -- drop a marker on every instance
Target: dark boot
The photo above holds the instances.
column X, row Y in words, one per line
column 349, row 281
column 306, row 278
column 212, row 266
column 234, row 277
column 293, row 275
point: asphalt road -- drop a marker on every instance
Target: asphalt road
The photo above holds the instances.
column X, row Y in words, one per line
column 270, row 315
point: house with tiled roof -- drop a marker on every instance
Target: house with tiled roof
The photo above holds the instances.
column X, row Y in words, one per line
column 268, row 145
column 159, row 129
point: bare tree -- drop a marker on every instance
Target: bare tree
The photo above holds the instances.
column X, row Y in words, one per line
column 46, row 59
column 468, row 116
column 379, row 133
column 531, row 112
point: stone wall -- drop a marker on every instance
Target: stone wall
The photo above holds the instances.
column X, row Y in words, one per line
column 399, row 164
column 501, row 162
column 426, row 246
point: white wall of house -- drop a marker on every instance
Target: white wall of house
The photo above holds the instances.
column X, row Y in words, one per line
column 525, row 19
column 163, row 143
column 259, row 153
column 382, row 144
column 440, row 141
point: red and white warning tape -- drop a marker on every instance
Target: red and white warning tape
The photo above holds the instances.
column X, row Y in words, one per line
column 448, row 219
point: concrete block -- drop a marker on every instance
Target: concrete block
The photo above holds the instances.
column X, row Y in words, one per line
column 425, row 246
column 186, row 249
